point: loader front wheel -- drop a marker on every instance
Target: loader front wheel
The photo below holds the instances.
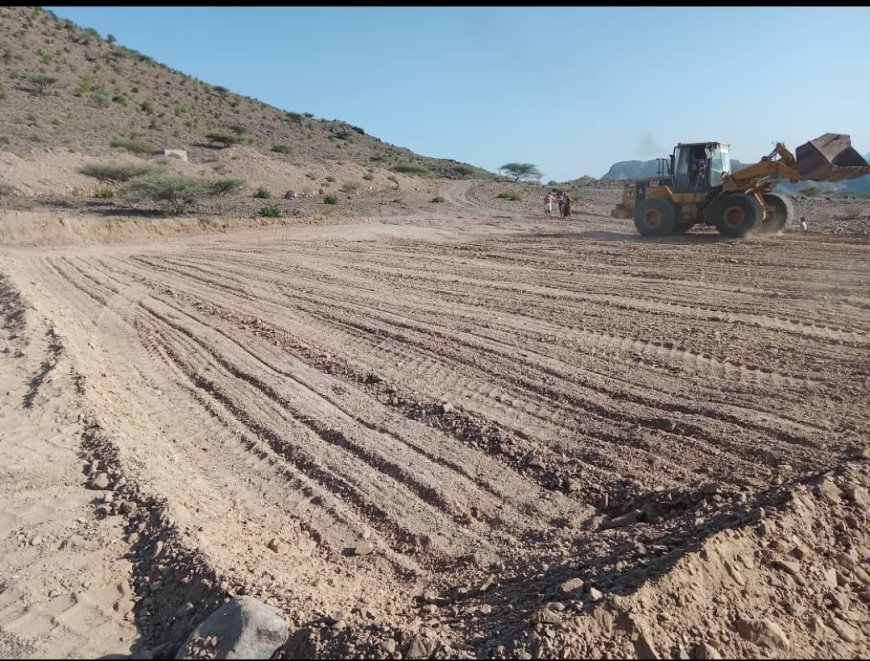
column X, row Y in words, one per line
column 737, row 215
column 781, row 215
column 655, row 216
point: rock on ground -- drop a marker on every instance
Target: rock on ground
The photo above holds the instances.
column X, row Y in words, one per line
column 763, row 632
column 244, row 628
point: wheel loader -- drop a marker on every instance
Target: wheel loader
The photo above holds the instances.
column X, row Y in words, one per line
column 696, row 187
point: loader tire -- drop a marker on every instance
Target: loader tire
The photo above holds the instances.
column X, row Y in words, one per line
column 655, row 216
column 737, row 215
column 782, row 214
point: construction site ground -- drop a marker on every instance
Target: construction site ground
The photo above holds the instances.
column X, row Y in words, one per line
column 455, row 429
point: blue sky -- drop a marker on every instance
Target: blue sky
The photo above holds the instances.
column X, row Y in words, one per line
column 570, row 89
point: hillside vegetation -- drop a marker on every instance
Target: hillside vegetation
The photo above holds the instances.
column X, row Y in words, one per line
column 62, row 85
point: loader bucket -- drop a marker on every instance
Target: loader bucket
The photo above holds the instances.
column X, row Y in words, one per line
column 830, row 157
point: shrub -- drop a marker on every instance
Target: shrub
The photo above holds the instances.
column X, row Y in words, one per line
column 116, row 173
column 147, row 106
column 104, row 193
column 100, row 100
column 111, row 38
column 133, row 146
column 308, row 114
column 510, row 195
column 226, row 139
column 349, row 187
column 330, row 199
column 4, row 139
column 262, row 194
column 41, row 83
column 293, row 117
column 330, row 179
column 220, row 187
column 463, row 170
column 409, row 168
column 281, row 149
column 271, row 211
column 437, row 199
column 176, row 193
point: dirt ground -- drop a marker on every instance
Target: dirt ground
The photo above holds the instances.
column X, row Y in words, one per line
column 436, row 430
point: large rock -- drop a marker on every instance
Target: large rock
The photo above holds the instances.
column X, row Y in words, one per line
column 99, row 482
column 244, row 628
column 763, row 632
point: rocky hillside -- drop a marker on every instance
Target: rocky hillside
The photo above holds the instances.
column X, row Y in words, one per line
column 65, row 86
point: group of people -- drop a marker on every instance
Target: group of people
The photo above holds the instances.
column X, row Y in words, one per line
column 564, row 201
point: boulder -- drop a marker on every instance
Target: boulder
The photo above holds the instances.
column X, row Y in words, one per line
column 243, row 628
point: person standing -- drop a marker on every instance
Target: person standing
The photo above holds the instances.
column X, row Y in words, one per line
column 566, row 205
column 548, row 203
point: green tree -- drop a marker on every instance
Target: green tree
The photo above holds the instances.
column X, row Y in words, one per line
column 176, row 193
column 115, row 174
column 521, row 171
column 224, row 138
column 41, row 83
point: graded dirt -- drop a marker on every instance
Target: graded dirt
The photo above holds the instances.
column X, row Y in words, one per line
column 454, row 429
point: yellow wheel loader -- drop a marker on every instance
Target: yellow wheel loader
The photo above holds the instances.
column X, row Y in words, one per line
column 696, row 187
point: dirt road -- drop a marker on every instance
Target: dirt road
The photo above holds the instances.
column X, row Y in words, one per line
column 418, row 431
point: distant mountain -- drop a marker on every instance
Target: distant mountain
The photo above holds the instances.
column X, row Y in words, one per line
column 637, row 169
column 859, row 186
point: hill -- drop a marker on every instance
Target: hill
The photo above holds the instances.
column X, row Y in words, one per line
column 65, row 86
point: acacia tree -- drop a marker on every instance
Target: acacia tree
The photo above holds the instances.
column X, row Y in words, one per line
column 521, row 171
column 41, row 83
column 224, row 138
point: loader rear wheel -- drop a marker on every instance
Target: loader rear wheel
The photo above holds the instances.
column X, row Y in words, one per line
column 782, row 214
column 655, row 216
column 737, row 215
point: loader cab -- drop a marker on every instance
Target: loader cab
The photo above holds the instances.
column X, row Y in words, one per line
column 700, row 166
